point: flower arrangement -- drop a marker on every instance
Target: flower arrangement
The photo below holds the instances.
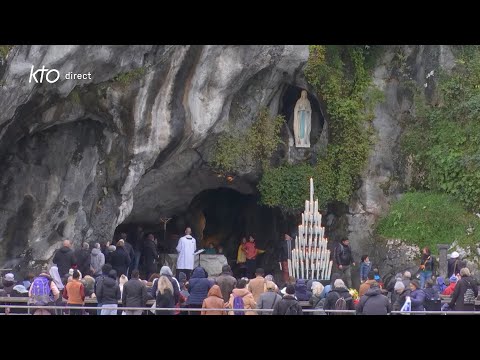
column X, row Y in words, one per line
column 354, row 295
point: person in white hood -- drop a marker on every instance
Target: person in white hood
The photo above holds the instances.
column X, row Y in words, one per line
column 97, row 260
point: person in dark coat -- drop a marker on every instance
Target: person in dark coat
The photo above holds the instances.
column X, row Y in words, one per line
column 268, row 299
column 150, row 255
column 288, row 305
column 131, row 253
column 167, row 272
column 100, row 278
column 432, row 295
column 198, row 287
column 64, row 258
column 401, row 295
column 165, row 297
column 137, row 238
column 339, row 290
column 83, row 259
column 301, row 292
column 134, row 294
column 108, row 294
column 343, row 259
column 330, row 286
column 458, row 297
column 455, row 264
column 417, row 295
column 426, row 266
column 120, row 259
column 374, row 302
column 226, row 282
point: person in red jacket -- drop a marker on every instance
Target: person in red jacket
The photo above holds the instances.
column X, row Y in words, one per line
column 450, row 288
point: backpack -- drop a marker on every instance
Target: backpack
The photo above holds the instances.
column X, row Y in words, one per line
column 469, row 296
column 41, row 292
column 238, row 304
column 341, row 303
column 292, row 309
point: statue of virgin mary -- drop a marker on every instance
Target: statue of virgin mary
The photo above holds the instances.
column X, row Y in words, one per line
column 302, row 121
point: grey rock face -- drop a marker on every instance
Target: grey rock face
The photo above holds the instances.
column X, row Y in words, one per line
column 387, row 174
column 78, row 157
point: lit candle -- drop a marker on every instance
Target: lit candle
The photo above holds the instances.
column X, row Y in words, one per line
column 289, row 267
column 307, row 263
column 306, row 206
column 316, row 206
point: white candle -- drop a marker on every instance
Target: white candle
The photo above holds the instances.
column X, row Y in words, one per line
column 289, row 267
column 329, row 269
column 307, row 263
column 306, row 206
column 301, row 269
column 316, row 206
column 294, row 262
column 295, row 265
column 318, row 263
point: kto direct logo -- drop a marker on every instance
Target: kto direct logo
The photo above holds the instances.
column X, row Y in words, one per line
column 52, row 75
column 51, row 78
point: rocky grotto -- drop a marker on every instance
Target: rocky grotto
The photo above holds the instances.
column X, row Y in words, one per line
column 132, row 143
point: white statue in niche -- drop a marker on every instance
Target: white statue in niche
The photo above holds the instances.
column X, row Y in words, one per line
column 302, row 121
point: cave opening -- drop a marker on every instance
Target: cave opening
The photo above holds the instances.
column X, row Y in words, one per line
column 221, row 217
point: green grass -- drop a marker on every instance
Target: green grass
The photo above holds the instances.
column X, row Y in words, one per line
column 428, row 219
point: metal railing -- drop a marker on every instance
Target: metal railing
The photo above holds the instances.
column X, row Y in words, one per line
column 152, row 309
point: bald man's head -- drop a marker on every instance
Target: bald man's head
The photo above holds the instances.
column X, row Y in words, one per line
column 67, row 243
column 188, row 231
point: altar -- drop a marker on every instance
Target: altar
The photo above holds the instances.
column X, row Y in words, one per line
column 211, row 263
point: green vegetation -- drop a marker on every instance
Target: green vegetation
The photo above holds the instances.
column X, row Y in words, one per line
column 126, row 78
column 4, row 50
column 341, row 75
column 238, row 151
column 75, row 96
column 427, row 219
column 443, row 139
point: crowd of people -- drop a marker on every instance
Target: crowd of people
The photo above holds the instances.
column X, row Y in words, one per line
column 111, row 277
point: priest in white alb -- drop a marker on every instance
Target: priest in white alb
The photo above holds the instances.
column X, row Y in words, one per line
column 187, row 245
